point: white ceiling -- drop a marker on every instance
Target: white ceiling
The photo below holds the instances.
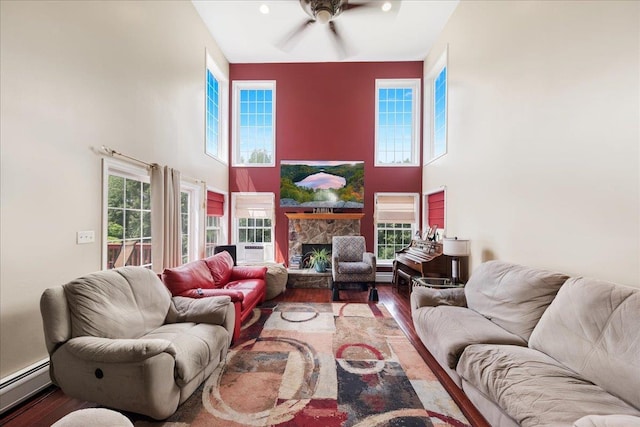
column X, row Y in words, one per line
column 245, row 35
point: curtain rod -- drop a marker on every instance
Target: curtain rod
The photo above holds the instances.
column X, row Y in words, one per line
column 111, row 152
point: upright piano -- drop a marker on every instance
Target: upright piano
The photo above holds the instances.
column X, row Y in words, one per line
column 424, row 258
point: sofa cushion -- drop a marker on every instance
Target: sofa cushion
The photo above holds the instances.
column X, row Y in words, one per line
column 125, row 302
column 192, row 275
column 592, row 328
column 533, row 388
column 512, row 296
column 220, row 265
column 447, row 330
column 254, row 291
column 196, row 345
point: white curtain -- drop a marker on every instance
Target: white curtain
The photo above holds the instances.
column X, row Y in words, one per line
column 165, row 218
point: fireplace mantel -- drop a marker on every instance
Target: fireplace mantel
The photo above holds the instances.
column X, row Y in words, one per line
column 302, row 215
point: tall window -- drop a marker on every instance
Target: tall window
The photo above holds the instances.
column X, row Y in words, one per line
column 396, row 217
column 213, row 229
column 434, row 208
column 216, row 112
column 128, row 216
column 254, row 121
column 190, row 196
column 397, row 125
column 254, row 225
column 184, row 225
column 436, row 115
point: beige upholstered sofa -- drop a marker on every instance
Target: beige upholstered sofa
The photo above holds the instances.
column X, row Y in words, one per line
column 117, row 338
column 536, row 348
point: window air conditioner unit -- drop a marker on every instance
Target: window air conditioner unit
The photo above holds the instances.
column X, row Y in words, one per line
column 254, row 253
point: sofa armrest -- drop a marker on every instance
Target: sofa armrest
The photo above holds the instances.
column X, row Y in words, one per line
column 248, row 272
column 428, row 297
column 108, row 350
column 608, row 421
column 236, row 296
column 369, row 258
column 213, row 310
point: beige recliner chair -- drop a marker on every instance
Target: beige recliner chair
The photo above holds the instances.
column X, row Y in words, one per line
column 117, row 338
column 350, row 262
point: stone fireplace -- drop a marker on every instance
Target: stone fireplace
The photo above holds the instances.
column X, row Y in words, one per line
column 315, row 229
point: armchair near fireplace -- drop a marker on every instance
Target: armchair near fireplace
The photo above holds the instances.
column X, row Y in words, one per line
column 351, row 263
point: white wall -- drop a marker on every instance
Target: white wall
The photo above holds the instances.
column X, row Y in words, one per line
column 76, row 75
column 543, row 161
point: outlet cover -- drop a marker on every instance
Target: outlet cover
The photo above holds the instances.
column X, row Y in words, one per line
column 83, row 237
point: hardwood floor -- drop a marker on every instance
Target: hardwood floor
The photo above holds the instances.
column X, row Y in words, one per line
column 51, row 404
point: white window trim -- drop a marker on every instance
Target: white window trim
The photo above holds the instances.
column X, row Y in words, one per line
column 223, row 109
column 224, row 219
column 239, row 85
column 236, row 237
column 428, row 136
column 111, row 166
column 195, row 215
column 413, row 84
column 414, row 226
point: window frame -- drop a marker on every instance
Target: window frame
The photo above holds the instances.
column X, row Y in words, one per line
column 268, row 246
column 442, row 228
column 414, row 85
column 238, row 86
column 114, row 167
column 414, row 225
column 430, row 109
column 194, row 191
column 222, row 228
column 222, row 152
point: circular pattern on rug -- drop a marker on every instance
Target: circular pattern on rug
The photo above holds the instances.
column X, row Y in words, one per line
column 306, row 365
column 255, row 316
column 403, row 417
column 313, row 314
column 378, row 364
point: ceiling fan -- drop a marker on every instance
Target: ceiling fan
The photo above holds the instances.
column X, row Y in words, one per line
column 325, row 12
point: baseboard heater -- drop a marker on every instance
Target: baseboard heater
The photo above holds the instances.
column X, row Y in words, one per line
column 25, row 383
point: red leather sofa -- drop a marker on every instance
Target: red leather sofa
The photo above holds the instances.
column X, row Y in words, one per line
column 215, row 276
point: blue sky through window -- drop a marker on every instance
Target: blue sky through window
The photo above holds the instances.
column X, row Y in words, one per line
column 256, row 125
column 395, row 125
column 212, row 115
column 440, row 113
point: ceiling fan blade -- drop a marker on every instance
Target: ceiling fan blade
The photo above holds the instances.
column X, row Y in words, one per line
column 293, row 37
column 338, row 40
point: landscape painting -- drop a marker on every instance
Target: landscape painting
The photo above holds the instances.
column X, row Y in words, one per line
column 322, row 184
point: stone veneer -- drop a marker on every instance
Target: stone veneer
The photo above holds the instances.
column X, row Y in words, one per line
column 305, row 228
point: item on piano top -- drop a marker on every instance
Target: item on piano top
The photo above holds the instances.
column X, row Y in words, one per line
column 455, row 248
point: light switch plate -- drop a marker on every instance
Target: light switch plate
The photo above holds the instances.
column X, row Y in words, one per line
column 83, row 237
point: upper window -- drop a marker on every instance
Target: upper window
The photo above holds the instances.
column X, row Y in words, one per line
column 128, row 216
column 436, row 115
column 216, row 141
column 397, row 125
column 396, row 220
column 254, row 121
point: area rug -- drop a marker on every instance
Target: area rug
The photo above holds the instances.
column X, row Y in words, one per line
column 324, row 365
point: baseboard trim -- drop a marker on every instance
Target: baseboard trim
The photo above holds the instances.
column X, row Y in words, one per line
column 384, row 277
column 18, row 387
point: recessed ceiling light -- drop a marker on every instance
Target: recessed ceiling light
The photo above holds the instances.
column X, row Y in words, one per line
column 386, row 6
column 264, row 8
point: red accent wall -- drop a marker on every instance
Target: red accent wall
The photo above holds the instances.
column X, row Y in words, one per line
column 325, row 111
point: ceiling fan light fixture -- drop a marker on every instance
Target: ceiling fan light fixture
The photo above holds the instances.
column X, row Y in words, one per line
column 386, row 6
column 264, row 9
column 323, row 16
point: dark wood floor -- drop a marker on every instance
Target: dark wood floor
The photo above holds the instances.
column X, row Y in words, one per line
column 50, row 405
